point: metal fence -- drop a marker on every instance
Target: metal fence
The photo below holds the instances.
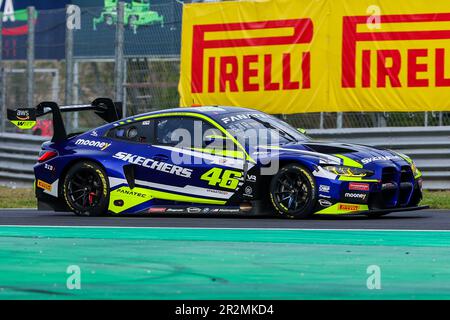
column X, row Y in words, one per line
column 112, row 57
column 429, row 147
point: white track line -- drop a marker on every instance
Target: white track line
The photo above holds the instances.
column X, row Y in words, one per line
column 204, row 228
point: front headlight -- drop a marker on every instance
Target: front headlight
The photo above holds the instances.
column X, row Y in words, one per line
column 349, row 171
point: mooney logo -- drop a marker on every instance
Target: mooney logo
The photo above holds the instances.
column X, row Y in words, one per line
column 225, row 70
column 96, row 144
column 389, row 63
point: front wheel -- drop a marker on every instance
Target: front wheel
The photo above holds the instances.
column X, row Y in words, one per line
column 85, row 189
column 293, row 192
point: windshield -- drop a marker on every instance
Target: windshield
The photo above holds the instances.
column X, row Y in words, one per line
column 256, row 128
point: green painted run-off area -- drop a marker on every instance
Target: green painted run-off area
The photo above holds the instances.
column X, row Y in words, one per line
column 222, row 264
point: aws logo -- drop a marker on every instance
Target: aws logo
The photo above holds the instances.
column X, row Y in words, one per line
column 23, row 115
column 18, row 18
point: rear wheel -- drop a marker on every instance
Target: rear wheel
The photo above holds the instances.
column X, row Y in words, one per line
column 85, row 189
column 293, row 192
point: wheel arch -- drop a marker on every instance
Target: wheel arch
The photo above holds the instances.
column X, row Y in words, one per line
column 264, row 193
column 309, row 164
column 69, row 165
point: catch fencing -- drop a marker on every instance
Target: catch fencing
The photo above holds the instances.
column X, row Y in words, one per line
column 137, row 63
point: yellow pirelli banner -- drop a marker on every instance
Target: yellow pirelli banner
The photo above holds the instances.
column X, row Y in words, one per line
column 294, row 56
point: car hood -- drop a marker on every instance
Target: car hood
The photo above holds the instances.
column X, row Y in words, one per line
column 336, row 152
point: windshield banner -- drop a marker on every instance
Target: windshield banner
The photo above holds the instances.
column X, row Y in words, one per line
column 283, row 56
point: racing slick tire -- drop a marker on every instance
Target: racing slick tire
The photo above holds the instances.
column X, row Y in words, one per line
column 85, row 189
column 293, row 192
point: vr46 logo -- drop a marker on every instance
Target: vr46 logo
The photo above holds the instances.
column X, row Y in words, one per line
column 224, row 178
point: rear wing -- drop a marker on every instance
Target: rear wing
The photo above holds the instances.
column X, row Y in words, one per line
column 25, row 118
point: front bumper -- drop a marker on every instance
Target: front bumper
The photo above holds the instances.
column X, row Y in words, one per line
column 392, row 210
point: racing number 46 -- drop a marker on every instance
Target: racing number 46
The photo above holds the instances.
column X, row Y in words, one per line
column 224, row 178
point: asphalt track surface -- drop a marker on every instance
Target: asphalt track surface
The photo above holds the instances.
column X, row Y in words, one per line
column 190, row 258
column 414, row 220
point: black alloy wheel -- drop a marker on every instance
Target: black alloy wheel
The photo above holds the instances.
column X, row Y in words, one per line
column 86, row 189
column 293, row 192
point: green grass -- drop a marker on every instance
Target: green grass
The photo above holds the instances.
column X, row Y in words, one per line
column 17, row 198
column 437, row 199
column 24, row 198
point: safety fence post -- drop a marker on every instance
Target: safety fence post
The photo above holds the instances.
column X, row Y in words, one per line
column 30, row 57
column 69, row 65
column 119, row 63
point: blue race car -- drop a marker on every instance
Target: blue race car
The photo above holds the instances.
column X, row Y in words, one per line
column 211, row 160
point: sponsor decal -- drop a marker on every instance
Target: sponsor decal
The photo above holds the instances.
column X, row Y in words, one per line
column 194, row 210
column 153, row 164
column 44, row 185
column 94, row 133
column 23, row 115
column 251, row 178
column 206, row 210
column 325, row 203
column 241, row 53
column 324, row 196
column 132, row 193
column 248, row 190
column 176, row 210
column 349, row 207
column 360, row 196
column 243, row 116
column 324, row 188
column 92, row 143
column 224, row 193
column 354, row 186
column 409, row 57
column 146, row 123
column 230, row 66
column 49, row 167
column 157, row 210
column 230, row 210
column 382, row 158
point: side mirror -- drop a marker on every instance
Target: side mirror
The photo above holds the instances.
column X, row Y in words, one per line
column 301, row 130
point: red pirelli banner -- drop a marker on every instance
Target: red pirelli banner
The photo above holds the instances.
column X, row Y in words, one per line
column 286, row 56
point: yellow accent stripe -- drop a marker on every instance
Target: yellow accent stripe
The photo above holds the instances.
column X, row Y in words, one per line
column 356, row 179
column 224, row 153
column 203, row 117
column 349, row 162
column 132, row 198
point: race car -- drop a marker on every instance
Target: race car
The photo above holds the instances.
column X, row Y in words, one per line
column 211, row 161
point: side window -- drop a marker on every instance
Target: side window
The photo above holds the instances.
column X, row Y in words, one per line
column 184, row 132
column 140, row 132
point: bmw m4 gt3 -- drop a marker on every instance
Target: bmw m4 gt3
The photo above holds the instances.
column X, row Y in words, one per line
column 211, row 160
